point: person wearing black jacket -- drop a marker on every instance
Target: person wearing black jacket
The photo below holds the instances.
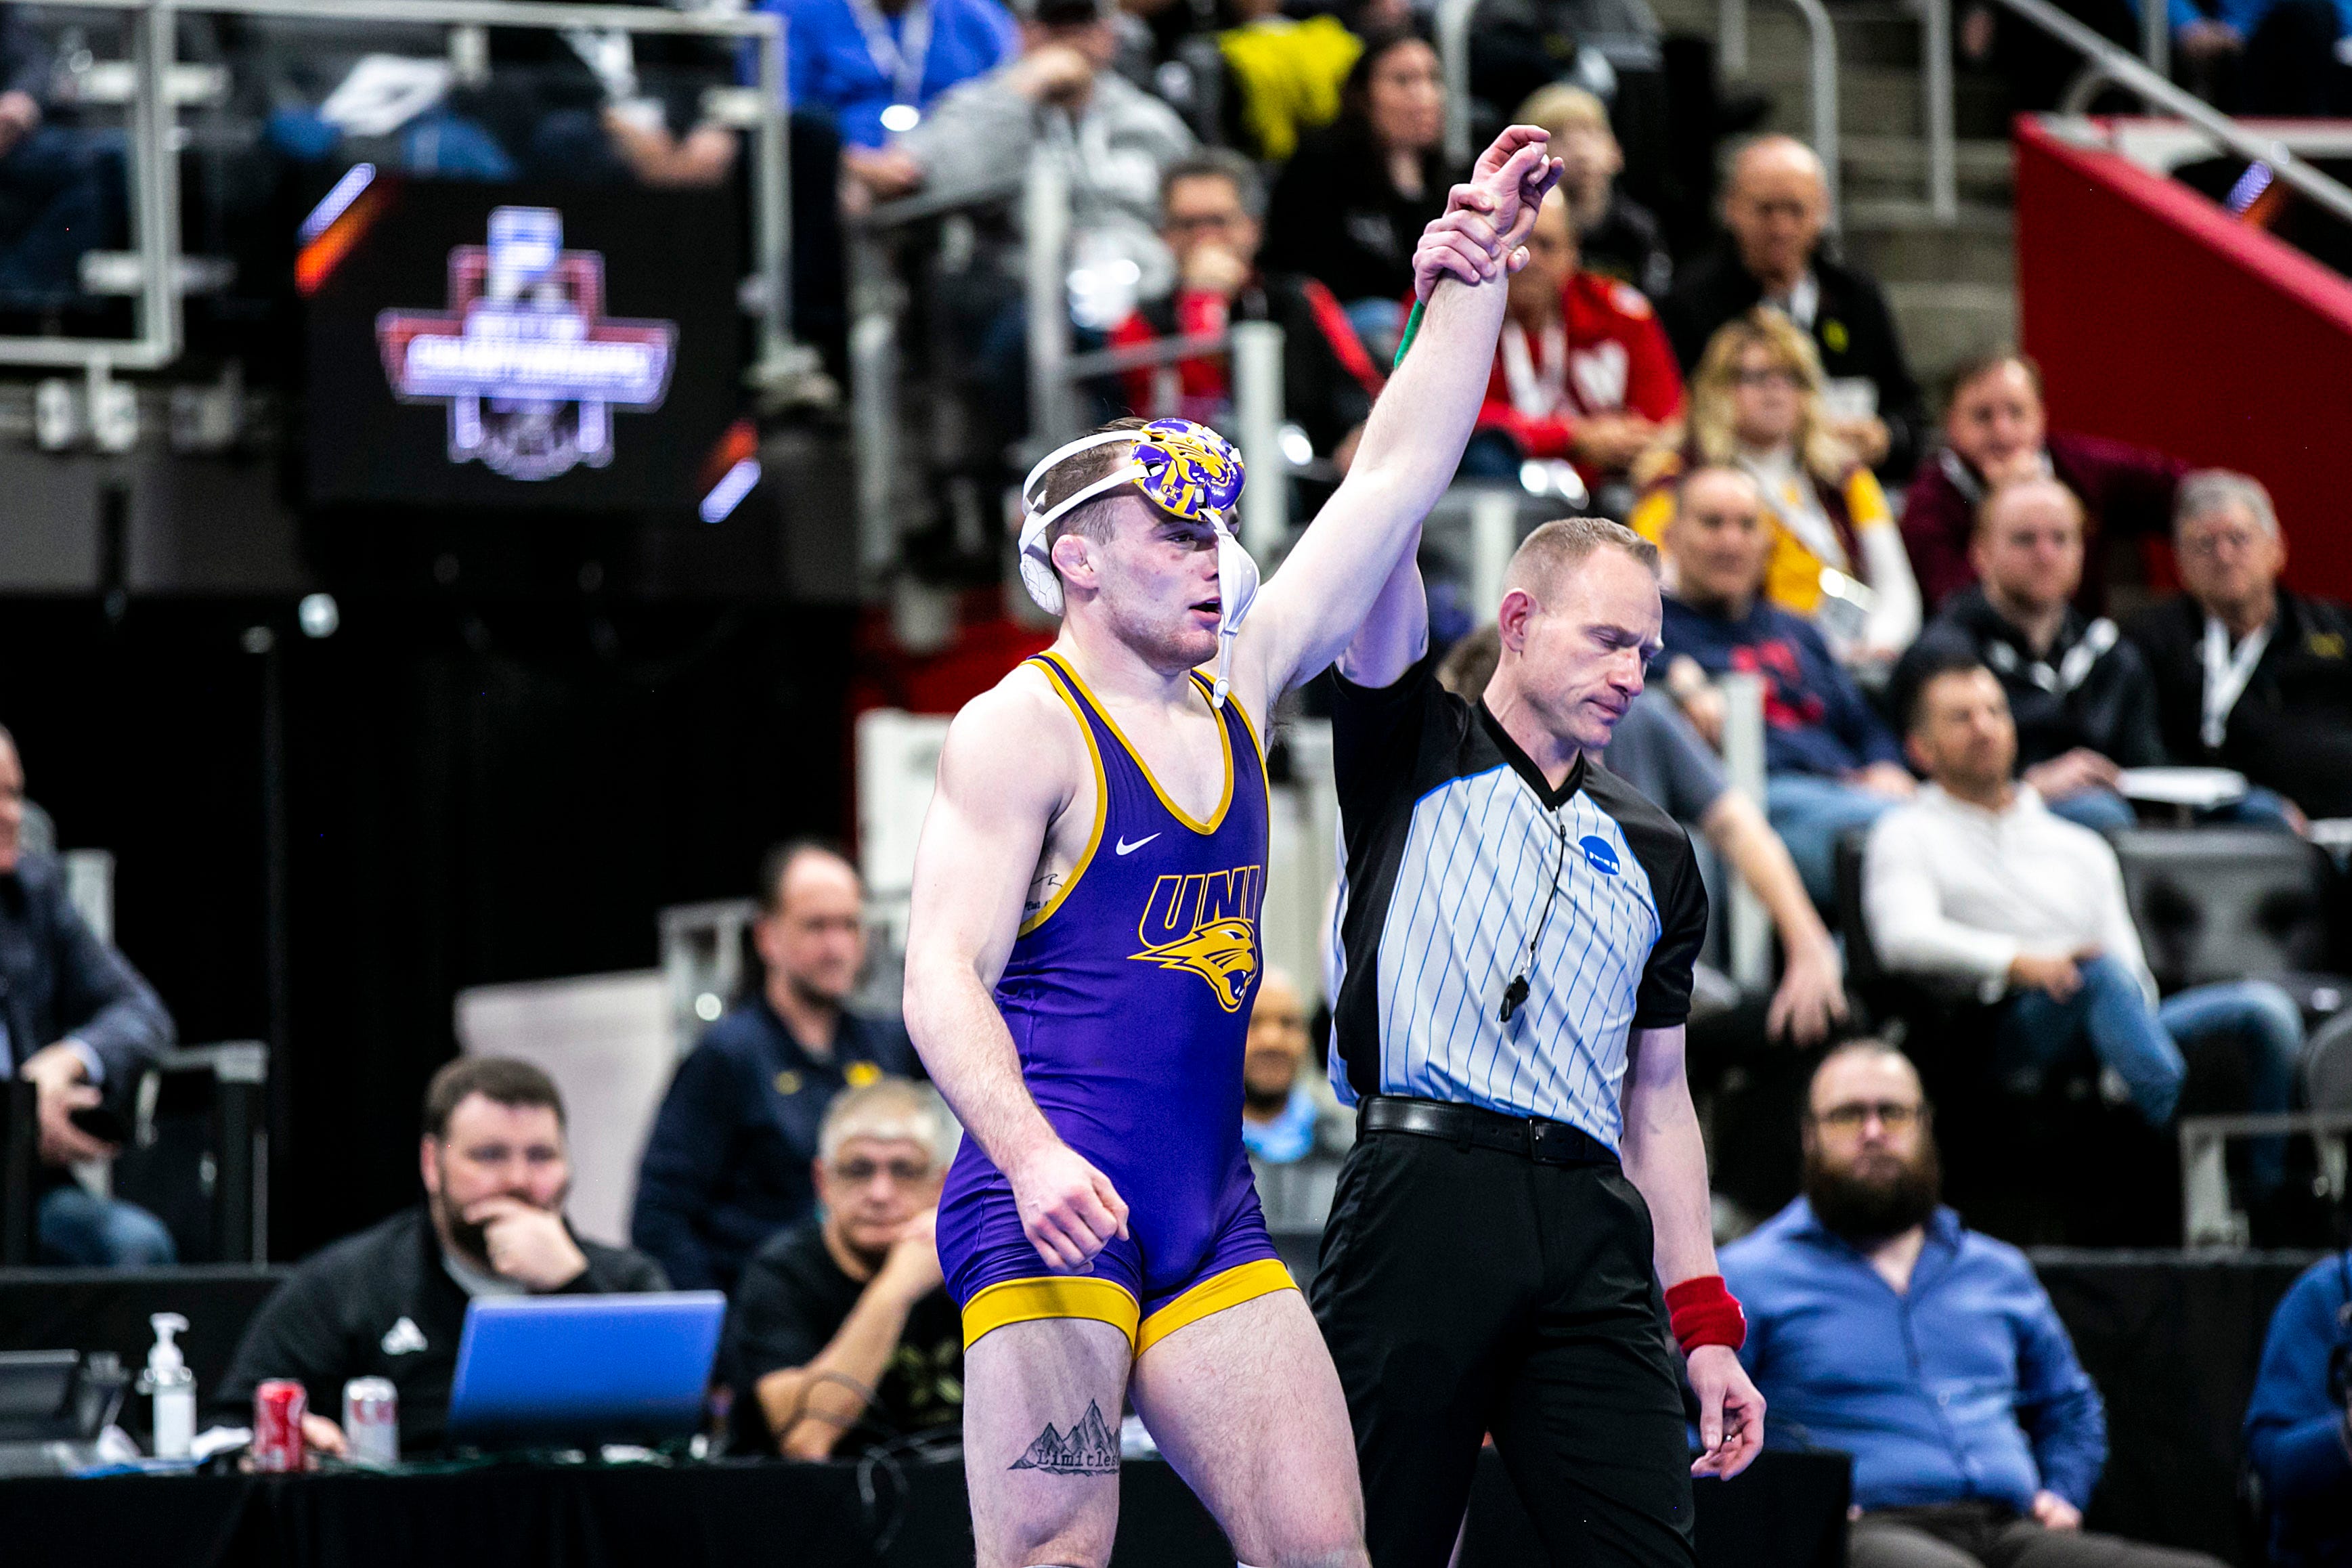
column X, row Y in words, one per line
column 1776, row 208
column 840, row 1336
column 391, row 1301
column 1351, row 203
column 2080, row 694
column 2249, row 675
column 80, row 1023
column 727, row 1164
column 1211, row 209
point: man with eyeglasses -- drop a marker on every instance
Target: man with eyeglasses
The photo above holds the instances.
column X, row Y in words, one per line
column 2249, row 675
column 841, row 1336
column 1212, row 213
column 1776, row 210
column 1879, row 1325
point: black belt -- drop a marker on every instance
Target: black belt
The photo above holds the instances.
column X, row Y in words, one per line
column 1529, row 1137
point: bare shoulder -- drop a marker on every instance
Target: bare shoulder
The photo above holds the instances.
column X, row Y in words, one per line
column 1015, row 744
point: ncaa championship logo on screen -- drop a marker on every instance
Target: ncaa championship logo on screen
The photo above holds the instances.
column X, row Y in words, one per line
column 526, row 361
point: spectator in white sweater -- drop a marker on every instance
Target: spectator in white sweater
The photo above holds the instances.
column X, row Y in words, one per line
column 1975, row 880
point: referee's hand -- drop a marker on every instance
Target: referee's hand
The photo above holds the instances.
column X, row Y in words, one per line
column 1068, row 1209
column 1730, row 1412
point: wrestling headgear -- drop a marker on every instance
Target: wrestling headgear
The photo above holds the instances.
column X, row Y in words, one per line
column 1186, row 470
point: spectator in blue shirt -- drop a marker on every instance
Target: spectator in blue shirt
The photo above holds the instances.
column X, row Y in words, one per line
column 2296, row 1433
column 875, row 65
column 1877, row 1324
column 1831, row 764
column 727, row 1163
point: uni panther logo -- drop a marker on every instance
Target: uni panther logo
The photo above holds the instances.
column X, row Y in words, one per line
column 1205, row 924
column 1188, row 470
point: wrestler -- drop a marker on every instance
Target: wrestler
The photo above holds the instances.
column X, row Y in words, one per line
column 1084, row 948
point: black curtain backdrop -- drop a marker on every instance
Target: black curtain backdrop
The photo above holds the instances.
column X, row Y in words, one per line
column 473, row 792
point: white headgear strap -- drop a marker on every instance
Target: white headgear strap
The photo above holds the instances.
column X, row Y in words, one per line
column 1238, row 575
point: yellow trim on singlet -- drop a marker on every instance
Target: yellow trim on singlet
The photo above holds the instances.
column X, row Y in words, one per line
column 1242, row 1282
column 1248, row 729
column 1050, row 1296
column 1224, row 738
column 1102, row 812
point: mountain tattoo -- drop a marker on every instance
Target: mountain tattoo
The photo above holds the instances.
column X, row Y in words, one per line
column 1088, row 1448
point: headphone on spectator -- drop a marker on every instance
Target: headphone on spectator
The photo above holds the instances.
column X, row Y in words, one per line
column 1188, row 471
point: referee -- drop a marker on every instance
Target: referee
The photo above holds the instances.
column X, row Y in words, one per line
column 1517, row 929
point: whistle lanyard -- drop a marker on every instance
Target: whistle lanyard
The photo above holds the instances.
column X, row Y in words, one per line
column 900, row 59
column 2226, row 675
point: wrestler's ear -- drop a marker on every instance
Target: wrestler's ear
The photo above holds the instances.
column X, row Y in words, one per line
column 1074, row 557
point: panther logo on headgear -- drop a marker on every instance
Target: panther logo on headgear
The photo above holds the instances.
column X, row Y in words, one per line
column 1189, row 468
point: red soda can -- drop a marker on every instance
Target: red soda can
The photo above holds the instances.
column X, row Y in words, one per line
column 371, row 1422
column 278, row 1406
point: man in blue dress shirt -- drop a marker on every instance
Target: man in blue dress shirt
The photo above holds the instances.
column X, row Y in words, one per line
column 727, row 1163
column 1878, row 1325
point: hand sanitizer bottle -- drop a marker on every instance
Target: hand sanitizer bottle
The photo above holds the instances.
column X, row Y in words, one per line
column 173, row 1387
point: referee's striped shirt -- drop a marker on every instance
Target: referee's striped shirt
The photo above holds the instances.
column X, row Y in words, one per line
column 1453, row 841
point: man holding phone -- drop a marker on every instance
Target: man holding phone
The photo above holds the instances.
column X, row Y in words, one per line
column 79, row 1022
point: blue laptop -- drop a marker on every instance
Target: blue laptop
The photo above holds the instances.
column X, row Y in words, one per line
column 579, row 1371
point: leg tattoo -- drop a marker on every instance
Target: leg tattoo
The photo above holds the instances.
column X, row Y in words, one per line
column 1089, row 1448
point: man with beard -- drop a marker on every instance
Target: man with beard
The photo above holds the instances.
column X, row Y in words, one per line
column 1878, row 1324
column 391, row 1301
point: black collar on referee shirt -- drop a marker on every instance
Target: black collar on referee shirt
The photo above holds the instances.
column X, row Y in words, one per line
column 1524, row 765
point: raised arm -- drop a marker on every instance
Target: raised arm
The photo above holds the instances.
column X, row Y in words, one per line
column 1414, row 437
column 1004, row 777
column 1395, row 631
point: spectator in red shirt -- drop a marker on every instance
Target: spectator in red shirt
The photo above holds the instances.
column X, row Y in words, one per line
column 1211, row 206
column 1994, row 431
column 1582, row 371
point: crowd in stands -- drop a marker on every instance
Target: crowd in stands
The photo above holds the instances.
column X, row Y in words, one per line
column 1945, row 697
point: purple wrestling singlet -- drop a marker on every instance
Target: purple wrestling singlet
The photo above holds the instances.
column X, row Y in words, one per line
column 1128, row 994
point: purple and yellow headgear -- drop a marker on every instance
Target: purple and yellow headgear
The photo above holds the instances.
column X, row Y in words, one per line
column 1186, row 470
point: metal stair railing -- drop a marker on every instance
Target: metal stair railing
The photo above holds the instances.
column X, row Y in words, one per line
column 154, row 171
column 1454, row 18
column 2110, row 66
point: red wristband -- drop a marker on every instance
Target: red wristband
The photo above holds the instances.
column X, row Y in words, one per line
column 1703, row 1313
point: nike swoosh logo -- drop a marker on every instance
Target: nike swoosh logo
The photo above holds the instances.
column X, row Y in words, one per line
column 1127, row 848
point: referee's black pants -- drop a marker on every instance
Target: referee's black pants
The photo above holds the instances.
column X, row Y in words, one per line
column 1464, row 1290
